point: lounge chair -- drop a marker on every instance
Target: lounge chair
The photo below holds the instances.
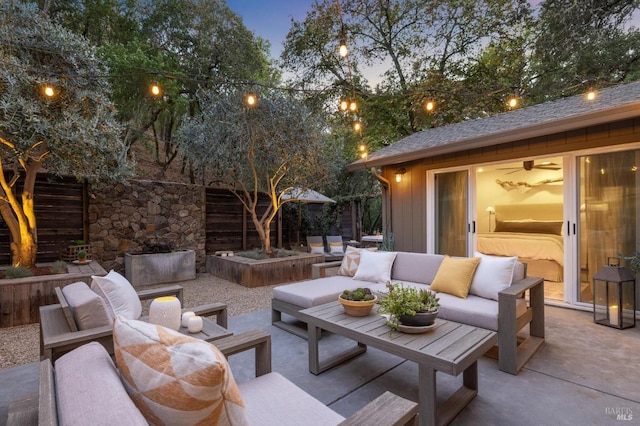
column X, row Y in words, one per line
column 64, row 328
column 316, row 245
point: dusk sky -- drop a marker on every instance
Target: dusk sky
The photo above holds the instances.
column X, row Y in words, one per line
column 271, row 19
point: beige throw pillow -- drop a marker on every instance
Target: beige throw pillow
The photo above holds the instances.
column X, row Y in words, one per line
column 351, row 260
column 375, row 266
column 175, row 379
column 317, row 248
column 455, row 275
column 120, row 296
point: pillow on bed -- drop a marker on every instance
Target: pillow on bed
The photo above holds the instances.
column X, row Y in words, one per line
column 493, row 275
column 530, row 226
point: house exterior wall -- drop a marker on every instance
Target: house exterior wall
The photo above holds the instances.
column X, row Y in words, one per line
column 409, row 197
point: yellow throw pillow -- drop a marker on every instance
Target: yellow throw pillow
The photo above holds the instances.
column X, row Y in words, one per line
column 175, row 379
column 455, row 276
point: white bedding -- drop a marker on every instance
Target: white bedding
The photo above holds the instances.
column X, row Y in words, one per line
column 533, row 246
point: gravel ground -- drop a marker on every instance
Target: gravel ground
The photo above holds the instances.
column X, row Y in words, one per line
column 20, row 345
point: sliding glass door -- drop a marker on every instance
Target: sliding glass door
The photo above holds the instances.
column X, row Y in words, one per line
column 451, row 212
column 609, row 212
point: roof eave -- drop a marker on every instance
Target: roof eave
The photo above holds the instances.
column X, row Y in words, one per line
column 548, row 128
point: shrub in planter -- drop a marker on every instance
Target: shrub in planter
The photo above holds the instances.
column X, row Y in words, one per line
column 406, row 304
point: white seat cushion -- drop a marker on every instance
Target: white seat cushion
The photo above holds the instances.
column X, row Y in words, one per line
column 315, row 292
column 273, row 400
column 474, row 310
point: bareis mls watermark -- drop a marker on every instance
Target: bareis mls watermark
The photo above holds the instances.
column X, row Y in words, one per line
column 619, row 413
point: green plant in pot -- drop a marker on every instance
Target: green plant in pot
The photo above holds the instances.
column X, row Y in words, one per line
column 409, row 306
column 358, row 302
column 82, row 256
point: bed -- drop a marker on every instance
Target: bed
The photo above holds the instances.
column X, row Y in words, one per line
column 533, row 232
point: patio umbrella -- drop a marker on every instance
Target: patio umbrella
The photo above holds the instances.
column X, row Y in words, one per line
column 305, row 196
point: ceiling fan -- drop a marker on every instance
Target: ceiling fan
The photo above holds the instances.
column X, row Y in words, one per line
column 530, row 165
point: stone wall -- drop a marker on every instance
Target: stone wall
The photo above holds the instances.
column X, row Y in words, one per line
column 123, row 217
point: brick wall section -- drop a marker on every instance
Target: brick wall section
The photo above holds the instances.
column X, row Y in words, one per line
column 122, row 217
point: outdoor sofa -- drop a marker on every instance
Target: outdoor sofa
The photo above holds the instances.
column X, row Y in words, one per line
column 496, row 298
column 85, row 387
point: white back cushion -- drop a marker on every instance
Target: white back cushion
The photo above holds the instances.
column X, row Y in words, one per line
column 493, row 275
column 120, row 296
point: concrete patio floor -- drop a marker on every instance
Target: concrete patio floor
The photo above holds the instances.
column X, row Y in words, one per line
column 584, row 374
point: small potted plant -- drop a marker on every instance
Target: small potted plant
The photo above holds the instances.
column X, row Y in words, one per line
column 82, row 256
column 358, row 302
column 409, row 306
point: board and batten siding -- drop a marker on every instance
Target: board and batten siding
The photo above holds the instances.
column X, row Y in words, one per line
column 409, row 197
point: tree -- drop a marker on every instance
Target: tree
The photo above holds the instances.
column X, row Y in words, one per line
column 74, row 132
column 584, row 42
column 426, row 48
column 270, row 148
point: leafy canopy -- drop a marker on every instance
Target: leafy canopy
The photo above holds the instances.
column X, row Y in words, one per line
column 75, row 132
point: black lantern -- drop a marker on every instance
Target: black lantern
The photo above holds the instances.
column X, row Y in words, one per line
column 614, row 296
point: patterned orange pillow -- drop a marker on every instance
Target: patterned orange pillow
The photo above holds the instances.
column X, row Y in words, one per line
column 173, row 378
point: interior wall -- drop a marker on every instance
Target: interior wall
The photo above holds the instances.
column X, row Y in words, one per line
column 489, row 192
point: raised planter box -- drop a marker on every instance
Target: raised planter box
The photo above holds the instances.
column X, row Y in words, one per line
column 257, row 273
column 158, row 268
column 20, row 298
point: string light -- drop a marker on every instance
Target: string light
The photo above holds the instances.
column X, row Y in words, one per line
column 357, row 126
column 429, row 105
column 155, row 89
column 251, row 99
column 591, row 94
column 344, row 104
column 343, row 50
column 48, row 90
column 513, row 101
column 353, row 106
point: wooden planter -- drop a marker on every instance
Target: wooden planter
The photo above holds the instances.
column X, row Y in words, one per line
column 158, row 268
column 257, row 273
column 20, row 298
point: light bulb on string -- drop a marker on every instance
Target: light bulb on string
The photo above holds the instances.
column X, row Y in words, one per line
column 155, row 89
column 591, row 94
column 353, row 106
column 357, row 126
column 514, row 100
column 343, row 50
column 429, row 105
column 344, row 104
column 251, row 99
column 48, row 90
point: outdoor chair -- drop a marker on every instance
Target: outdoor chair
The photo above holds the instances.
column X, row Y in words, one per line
column 316, row 245
column 62, row 329
column 86, row 387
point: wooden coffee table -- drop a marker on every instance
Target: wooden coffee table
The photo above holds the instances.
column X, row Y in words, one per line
column 450, row 347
